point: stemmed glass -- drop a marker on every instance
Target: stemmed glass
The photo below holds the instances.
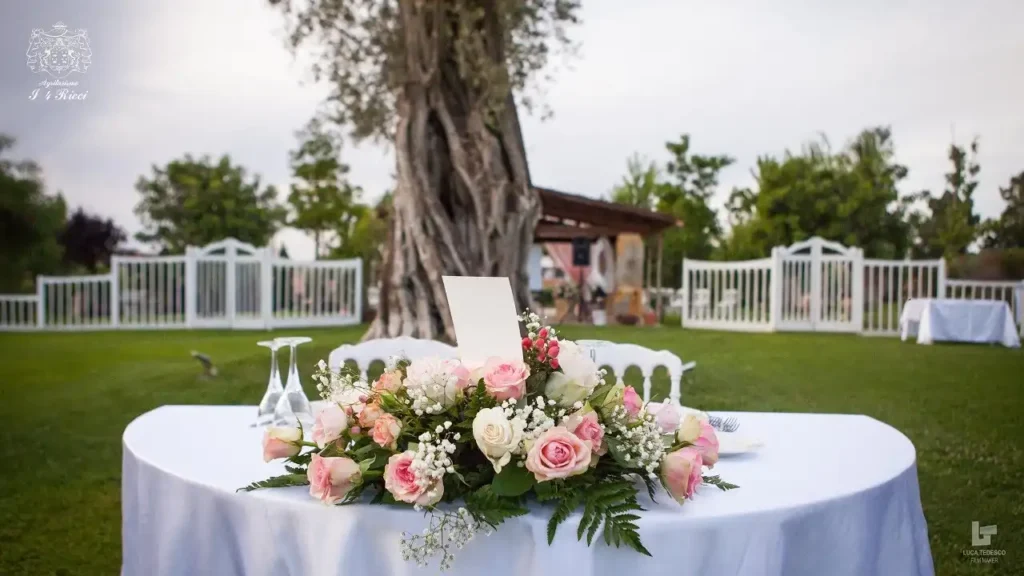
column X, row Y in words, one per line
column 293, row 405
column 265, row 413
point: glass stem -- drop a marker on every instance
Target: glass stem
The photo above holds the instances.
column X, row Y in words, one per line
column 292, row 365
column 274, row 375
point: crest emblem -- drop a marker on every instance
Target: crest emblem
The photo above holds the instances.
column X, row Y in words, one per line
column 59, row 51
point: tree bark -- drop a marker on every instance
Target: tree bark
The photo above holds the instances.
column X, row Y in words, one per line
column 463, row 204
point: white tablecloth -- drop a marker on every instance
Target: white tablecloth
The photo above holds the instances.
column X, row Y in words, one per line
column 980, row 321
column 827, row 494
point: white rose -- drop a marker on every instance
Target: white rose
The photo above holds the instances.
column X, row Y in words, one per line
column 440, row 380
column 495, row 436
column 350, row 397
column 577, row 379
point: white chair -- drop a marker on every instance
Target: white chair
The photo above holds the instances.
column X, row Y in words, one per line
column 365, row 353
column 619, row 357
column 730, row 298
column 701, row 305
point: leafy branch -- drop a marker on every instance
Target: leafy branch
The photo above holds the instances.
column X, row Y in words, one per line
column 277, row 482
column 491, row 509
column 717, row 481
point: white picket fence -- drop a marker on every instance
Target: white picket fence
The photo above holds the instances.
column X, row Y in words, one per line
column 227, row 284
column 822, row 286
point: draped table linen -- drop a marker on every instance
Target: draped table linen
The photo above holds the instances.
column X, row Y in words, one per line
column 948, row 320
column 827, row 494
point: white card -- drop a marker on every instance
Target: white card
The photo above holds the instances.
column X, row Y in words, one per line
column 485, row 318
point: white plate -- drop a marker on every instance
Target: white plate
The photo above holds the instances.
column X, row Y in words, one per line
column 733, row 444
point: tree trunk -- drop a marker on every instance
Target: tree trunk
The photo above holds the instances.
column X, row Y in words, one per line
column 463, row 205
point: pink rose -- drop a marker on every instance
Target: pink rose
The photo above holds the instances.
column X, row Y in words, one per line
column 389, row 382
column 369, row 414
column 281, row 442
column 681, row 472
column 386, row 430
column 558, row 453
column 330, row 479
column 329, row 424
column 586, row 427
column 667, row 415
column 505, row 379
column 632, row 402
column 401, row 481
column 707, row 443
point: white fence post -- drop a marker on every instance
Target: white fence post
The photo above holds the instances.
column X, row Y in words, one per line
column 267, row 288
column 775, row 292
column 191, row 280
column 115, row 291
column 231, row 267
column 359, row 293
column 41, row 302
column 684, row 308
column 857, row 304
column 940, row 283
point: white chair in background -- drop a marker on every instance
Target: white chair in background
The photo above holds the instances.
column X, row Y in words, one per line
column 620, row 357
column 365, row 353
column 730, row 299
column 701, row 305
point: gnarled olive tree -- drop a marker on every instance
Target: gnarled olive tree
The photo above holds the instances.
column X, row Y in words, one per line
column 437, row 78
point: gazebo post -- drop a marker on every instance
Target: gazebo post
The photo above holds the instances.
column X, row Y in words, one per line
column 658, row 306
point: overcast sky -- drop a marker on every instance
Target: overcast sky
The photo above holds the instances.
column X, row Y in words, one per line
column 743, row 77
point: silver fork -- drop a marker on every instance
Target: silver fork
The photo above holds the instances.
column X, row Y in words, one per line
column 730, row 424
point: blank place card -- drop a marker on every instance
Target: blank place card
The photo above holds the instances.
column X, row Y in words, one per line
column 484, row 314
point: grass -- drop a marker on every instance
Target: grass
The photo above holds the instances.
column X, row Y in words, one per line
column 66, row 398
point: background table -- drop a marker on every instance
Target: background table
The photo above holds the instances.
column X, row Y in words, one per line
column 978, row 321
column 827, row 494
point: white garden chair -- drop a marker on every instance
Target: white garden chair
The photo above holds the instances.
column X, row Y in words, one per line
column 701, row 302
column 619, row 357
column 730, row 299
column 365, row 353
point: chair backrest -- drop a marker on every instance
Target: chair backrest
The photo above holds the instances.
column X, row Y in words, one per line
column 619, row 357
column 365, row 353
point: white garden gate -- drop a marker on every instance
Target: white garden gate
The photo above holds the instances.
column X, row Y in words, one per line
column 227, row 285
column 820, row 287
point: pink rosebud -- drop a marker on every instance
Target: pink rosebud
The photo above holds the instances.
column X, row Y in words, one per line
column 631, row 401
column 681, row 472
column 355, row 430
column 505, row 380
column 541, row 357
column 281, row 442
column 543, row 333
column 401, row 481
column 558, row 453
column 554, row 363
column 369, row 414
column 386, row 430
column 363, row 398
column 586, row 427
column 553, row 351
column 330, row 479
column 540, row 344
column 527, row 343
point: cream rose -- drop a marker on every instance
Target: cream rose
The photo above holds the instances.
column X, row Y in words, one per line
column 329, row 424
column 577, row 379
column 281, row 442
column 496, row 437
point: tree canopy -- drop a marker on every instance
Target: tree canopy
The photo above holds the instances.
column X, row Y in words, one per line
column 89, row 241
column 1007, row 231
column 30, row 221
column 193, row 202
column 950, row 225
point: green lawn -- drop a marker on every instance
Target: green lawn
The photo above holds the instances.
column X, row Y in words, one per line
column 66, row 398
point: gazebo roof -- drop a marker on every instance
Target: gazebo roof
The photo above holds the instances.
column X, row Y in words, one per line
column 566, row 216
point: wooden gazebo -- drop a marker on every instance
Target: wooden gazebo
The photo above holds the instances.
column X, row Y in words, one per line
column 566, row 217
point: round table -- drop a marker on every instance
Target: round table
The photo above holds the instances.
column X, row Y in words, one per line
column 826, row 494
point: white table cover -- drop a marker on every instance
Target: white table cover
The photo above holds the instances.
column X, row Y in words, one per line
column 979, row 321
column 827, row 494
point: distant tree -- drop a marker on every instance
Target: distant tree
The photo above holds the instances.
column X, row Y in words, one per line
column 1007, row 231
column 89, row 241
column 30, row 222
column 193, row 202
column 283, row 252
column 323, row 201
column 850, row 197
column 950, row 225
column 639, row 186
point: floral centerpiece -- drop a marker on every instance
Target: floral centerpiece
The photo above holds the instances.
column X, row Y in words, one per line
column 489, row 438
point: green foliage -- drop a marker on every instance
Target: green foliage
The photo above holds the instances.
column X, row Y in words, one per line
column 850, row 197
column 1008, row 230
column 607, row 500
column 30, row 222
column 277, row 482
column 322, row 201
column 491, row 508
column 950, row 225
column 719, row 483
column 512, row 481
column 193, row 202
column 89, row 241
